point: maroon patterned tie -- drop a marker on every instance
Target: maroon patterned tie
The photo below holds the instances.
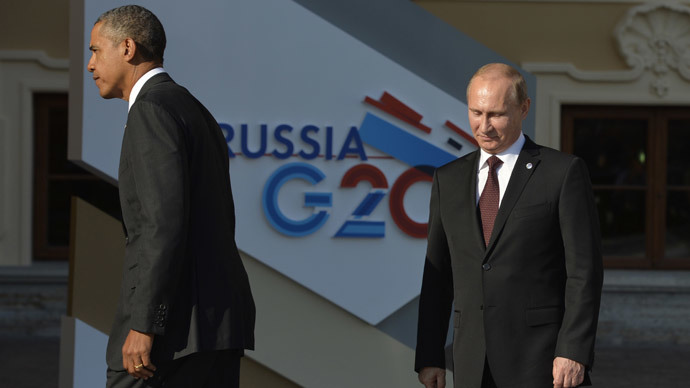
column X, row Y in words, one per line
column 488, row 202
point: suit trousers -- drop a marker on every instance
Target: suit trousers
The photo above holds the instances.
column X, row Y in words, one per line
column 212, row 369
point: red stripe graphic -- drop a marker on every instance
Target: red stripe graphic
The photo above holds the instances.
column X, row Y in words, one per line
column 397, row 108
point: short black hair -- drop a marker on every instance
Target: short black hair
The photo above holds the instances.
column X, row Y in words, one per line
column 139, row 24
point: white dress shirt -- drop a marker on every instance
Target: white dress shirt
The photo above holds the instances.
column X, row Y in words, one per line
column 508, row 157
column 140, row 83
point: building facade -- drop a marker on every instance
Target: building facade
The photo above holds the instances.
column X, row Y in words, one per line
column 612, row 86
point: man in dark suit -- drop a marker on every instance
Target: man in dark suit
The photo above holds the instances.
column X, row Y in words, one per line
column 514, row 245
column 186, row 311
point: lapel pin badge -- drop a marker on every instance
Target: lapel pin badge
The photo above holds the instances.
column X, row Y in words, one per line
column 529, row 166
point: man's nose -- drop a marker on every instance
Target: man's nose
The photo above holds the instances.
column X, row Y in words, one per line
column 484, row 124
column 90, row 66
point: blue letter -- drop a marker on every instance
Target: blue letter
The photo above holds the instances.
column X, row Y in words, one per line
column 358, row 149
column 262, row 149
column 288, row 144
column 270, row 200
column 329, row 143
column 313, row 143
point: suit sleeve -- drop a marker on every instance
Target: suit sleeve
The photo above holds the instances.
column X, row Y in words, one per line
column 157, row 159
column 436, row 297
column 579, row 224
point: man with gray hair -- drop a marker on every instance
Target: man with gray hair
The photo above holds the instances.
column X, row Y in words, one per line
column 186, row 310
column 514, row 248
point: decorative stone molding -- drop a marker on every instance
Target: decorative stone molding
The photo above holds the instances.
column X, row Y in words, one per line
column 581, row 75
column 36, row 56
column 653, row 39
column 656, row 38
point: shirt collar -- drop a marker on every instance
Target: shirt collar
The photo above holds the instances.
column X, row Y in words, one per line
column 140, row 83
column 510, row 154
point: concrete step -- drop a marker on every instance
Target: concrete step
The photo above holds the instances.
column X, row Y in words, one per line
column 32, row 299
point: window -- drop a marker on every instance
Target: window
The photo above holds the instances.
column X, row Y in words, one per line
column 639, row 163
column 56, row 179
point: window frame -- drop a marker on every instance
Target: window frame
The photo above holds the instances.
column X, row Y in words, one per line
column 657, row 118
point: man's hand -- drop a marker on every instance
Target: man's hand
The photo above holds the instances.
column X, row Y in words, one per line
column 567, row 373
column 136, row 354
column 433, row 377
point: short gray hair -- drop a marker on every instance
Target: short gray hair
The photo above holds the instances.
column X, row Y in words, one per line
column 139, row 24
column 519, row 91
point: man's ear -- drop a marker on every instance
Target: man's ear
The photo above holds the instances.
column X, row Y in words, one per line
column 129, row 49
column 525, row 108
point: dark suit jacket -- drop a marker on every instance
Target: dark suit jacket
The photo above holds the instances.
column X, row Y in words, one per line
column 533, row 293
column 183, row 278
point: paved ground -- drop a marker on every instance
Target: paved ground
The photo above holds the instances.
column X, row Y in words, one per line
column 29, row 362
column 33, row 363
column 642, row 367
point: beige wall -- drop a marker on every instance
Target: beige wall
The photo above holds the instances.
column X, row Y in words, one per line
column 527, row 31
column 97, row 252
column 35, row 25
column 537, row 30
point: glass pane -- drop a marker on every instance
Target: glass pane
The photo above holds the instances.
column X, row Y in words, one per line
column 678, row 155
column 678, row 224
column 622, row 220
column 615, row 150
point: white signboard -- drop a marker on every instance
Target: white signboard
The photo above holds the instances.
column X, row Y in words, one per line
column 331, row 144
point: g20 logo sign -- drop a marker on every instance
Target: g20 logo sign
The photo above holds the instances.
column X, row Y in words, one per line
column 422, row 157
column 355, row 227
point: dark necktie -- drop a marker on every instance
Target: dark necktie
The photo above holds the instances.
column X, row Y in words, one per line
column 488, row 202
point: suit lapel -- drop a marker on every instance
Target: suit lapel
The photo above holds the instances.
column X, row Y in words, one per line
column 526, row 164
